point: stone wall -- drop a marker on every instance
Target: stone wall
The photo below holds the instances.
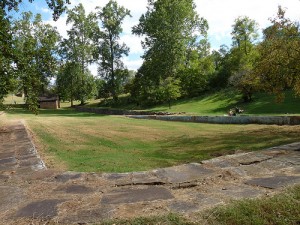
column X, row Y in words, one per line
column 270, row 120
column 105, row 111
column 275, row 120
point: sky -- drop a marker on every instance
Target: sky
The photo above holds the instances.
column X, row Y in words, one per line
column 220, row 15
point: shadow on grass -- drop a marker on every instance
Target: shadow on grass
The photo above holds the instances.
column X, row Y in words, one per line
column 217, row 102
column 67, row 112
column 188, row 149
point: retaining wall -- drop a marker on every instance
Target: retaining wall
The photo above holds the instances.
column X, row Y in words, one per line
column 270, row 120
column 275, row 120
column 119, row 111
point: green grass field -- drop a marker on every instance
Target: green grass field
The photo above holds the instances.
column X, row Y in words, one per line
column 89, row 142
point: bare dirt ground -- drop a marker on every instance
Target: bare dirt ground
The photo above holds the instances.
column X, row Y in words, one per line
column 31, row 192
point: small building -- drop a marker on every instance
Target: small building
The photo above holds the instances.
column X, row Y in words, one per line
column 49, row 103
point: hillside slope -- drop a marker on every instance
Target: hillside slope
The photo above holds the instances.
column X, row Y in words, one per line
column 221, row 102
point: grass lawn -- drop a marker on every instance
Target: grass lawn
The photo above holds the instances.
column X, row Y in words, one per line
column 88, row 142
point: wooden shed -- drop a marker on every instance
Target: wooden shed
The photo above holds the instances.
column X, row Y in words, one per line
column 49, row 103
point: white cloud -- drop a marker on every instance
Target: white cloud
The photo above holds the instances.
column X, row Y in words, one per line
column 133, row 42
column 132, row 64
column 61, row 25
column 45, row 10
column 221, row 14
column 93, row 68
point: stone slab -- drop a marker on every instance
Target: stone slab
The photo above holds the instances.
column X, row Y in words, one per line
column 184, row 173
column 146, row 178
column 10, row 197
column 75, row 189
column 274, row 182
column 237, row 191
column 119, row 179
column 252, row 158
column 67, row 176
column 254, row 170
column 90, row 216
column 130, row 195
column 40, row 209
column 274, row 164
column 183, row 207
column 4, row 177
column 11, row 160
column 4, row 155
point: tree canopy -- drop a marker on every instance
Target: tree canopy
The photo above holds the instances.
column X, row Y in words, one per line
column 172, row 30
column 278, row 67
column 109, row 51
column 177, row 59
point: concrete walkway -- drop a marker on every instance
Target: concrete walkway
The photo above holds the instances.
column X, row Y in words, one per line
column 31, row 192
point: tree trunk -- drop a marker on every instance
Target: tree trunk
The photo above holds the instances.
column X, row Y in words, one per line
column 112, row 70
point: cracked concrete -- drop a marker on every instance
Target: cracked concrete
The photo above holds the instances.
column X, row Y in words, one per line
column 29, row 190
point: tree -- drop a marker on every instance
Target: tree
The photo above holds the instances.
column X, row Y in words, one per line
column 222, row 68
column 278, row 66
column 110, row 51
column 77, row 51
column 58, row 6
column 170, row 90
column 102, row 90
column 243, row 56
column 172, row 29
column 6, row 57
column 194, row 76
column 244, row 34
column 35, row 56
column 7, row 53
column 67, row 81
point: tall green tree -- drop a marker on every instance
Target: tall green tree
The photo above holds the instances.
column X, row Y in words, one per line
column 278, row 67
column 172, row 28
column 244, row 34
column 110, row 52
column 6, row 57
column 69, row 80
column 243, row 55
column 8, row 51
column 222, row 68
column 78, row 50
column 170, row 90
column 35, row 55
column 195, row 74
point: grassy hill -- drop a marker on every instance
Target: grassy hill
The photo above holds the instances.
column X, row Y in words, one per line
column 219, row 103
